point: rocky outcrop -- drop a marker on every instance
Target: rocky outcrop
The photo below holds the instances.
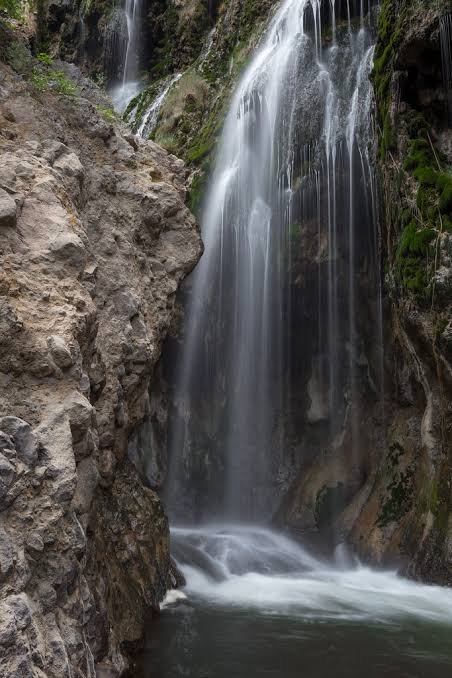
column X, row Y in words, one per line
column 408, row 511
column 95, row 239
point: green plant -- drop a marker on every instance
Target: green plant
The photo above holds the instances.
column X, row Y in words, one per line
column 12, row 8
column 40, row 79
column 64, row 86
column 412, row 249
column 43, row 78
column 99, row 79
column 45, row 58
column 108, row 114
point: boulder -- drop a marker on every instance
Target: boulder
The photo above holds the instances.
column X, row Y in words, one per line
column 60, row 352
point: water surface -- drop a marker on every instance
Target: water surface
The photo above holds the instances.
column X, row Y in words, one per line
column 258, row 604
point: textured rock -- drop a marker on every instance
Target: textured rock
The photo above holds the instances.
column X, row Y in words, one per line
column 86, row 299
column 8, row 210
column 60, row 351
column 406, row 515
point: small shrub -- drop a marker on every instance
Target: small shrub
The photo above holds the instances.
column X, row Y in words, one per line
column 108, row 114
column 12, row 8
column 64, row 86
column 45, row 58
column 40, row 79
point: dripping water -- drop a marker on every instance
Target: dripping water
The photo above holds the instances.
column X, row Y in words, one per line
column 294, row 166
column 446, row 54
column 294, row 148
column 130, row 56
column 150, row 118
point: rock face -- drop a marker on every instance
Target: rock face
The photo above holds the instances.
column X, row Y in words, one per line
column 95, row 239
column 408, row 511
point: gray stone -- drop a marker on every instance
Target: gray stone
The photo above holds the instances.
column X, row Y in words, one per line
column 25, row 441
column 80, row 413
column 70, row 165
column 60, row 352
column 69, row 248
column 6, row 554
column 87, row 481
column 34, row 542
column 52, row 150
column 8, row 210
column 7, row 473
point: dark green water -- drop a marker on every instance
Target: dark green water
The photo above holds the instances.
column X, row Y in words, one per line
column 193, row 640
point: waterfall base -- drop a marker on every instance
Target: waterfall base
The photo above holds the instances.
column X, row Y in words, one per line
column 259, row 604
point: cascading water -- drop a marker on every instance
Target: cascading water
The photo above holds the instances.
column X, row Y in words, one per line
column 150, row 118
column 294, row 152
column 446, row 56
column 129, row 87
column 258, row 604
column 294, row 165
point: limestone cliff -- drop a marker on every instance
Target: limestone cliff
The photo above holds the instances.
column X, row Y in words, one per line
column 94, row 240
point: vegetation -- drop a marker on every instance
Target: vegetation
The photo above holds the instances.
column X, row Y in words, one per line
column 108, row 114
column 388, row 38
column 11, row 8
column 44, row 77
column 400, row 488
column 425, row 180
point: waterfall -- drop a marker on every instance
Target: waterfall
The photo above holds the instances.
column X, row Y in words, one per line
column 130, row 55
column 293, row 164
column 150, row 118
column 446, row 55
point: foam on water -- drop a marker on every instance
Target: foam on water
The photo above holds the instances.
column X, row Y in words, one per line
column 253, row 567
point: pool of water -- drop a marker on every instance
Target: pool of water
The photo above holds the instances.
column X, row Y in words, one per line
column 257, row 604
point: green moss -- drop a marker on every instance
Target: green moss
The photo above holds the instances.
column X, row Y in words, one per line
column 400, row 488
column 108, row 114
column 197, row 191
column 412, row 248
column 445, row 201
column 388, row 38
column 18, row 57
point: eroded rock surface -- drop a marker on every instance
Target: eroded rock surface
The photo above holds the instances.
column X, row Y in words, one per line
column 93, row 247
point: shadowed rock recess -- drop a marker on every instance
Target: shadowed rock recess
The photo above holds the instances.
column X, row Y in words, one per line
column 95, row 242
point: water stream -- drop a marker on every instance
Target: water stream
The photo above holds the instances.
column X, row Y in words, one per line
column 259, row 604
column 294, row 166
column 129, row 87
